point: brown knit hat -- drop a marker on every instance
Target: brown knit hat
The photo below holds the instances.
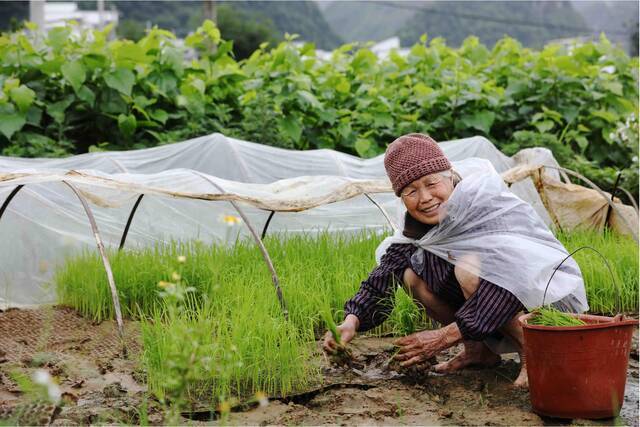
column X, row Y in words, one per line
column 411, row 157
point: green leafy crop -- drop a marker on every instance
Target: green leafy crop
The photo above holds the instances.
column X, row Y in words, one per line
column 69, row 91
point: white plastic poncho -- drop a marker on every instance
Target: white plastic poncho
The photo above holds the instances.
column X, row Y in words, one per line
column 490, row 232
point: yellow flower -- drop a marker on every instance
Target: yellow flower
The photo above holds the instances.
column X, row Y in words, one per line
column 175, row 276
column 224, row 407
column 182, row 259
column 262, row 399
column 162, row 284
column 43, row 266
column 231, row 220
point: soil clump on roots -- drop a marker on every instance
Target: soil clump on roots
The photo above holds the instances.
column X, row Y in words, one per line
column 101, row 386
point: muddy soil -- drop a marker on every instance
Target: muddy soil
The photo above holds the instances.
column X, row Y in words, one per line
column 102, row 386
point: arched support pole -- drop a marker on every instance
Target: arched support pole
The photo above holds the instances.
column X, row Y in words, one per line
column 384, row 212
column 263, row 249
column 9, row 198
column 595, row 187
column 266, row 224
column 105, row 262
column 630, row 197
column 126, row 228
column 613, row 192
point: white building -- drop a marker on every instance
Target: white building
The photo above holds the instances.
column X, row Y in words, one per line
column 49, row 15
column 382, row 49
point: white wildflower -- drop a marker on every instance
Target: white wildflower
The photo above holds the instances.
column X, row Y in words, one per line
column 43, row 378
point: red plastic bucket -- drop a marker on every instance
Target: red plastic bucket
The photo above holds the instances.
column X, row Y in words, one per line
column 578, row 371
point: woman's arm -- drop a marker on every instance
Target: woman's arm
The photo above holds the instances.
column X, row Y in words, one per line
column 372, row 304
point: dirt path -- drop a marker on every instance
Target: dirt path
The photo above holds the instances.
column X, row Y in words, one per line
column 100, row 386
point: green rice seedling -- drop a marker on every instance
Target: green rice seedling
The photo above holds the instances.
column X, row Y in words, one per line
column 606, row 294
column 331, row 326
column 407, row 317
column 385, row 365
column 221, row 348
column 549, row 316
column 342, row 356
column 314, row 271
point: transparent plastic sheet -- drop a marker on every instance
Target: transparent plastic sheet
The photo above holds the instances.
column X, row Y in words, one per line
column 488, row 231
column 45, row 222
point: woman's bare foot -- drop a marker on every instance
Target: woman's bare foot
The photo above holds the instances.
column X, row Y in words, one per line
column 523, row 380
column 475, row 353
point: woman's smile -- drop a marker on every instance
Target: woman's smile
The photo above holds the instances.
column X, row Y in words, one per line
column 431, row 209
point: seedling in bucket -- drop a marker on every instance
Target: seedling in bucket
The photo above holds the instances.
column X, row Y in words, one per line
column 549, row 316
column 576, row 363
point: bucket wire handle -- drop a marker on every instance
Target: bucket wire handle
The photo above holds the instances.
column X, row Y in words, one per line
column 615, row 286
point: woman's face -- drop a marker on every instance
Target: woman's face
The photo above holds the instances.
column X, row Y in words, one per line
column 424, row 197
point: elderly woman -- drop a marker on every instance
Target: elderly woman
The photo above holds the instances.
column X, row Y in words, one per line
column 472, row 254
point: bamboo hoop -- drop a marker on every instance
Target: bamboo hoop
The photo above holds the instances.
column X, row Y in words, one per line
column 258, row 240
column 384, row 212
column 105, row 262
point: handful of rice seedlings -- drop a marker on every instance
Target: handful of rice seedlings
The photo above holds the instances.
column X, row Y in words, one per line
column 342, row 355
column 549, row 316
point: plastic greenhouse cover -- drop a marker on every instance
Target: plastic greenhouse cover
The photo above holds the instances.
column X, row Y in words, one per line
column 312, row 190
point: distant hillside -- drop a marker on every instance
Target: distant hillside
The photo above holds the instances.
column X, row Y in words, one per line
column 299, row 17
column 531, row 23
column 455, row 20
column 366, row 20
column 620, row 16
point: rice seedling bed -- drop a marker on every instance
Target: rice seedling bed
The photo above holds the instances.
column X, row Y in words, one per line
column 219, row 333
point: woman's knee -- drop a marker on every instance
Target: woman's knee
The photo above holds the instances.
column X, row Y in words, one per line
column 469, row 282
column 410, row 280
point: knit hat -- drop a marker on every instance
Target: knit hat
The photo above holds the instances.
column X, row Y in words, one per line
column 411, row 157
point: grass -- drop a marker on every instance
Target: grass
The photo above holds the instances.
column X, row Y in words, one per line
column 224, row 349
column 224, row 336
column 621, row 252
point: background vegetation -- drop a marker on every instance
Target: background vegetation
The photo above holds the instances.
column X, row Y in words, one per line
column 238, row 20
column 65, row 93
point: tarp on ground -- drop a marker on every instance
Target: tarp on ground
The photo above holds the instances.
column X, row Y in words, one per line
column 572, row 207
column 311, row 190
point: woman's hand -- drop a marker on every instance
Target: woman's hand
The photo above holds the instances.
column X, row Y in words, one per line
column 346, row 330
column 421, row 346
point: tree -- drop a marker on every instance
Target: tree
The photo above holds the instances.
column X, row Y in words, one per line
column 130, row 29
column 247, row 29
column 12, row 13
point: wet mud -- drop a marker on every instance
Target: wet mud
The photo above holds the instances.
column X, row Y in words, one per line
column 100, row 385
